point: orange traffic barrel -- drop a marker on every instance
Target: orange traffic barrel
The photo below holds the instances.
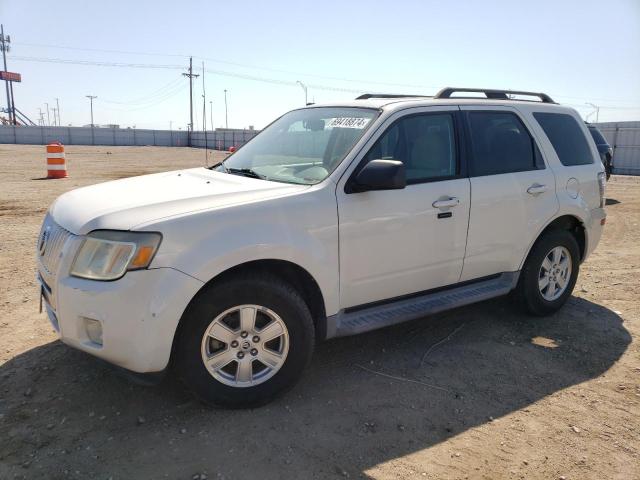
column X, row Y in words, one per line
column 56, row 162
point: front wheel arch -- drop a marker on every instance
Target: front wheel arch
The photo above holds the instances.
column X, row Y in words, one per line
column 288, row 272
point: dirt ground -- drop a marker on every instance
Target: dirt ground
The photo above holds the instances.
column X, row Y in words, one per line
column 499, row 394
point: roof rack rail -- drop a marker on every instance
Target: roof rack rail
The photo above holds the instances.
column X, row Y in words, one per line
column 493, row 94
column 366, row 96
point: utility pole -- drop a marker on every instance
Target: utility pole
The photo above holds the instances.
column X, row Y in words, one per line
column 5, row 48
column 204, row 120
column 190, row 76
column 48, row 118
column 40, row 117
column 304, row 87
column 211, row 113
column 91, row 97
column 55, row 117
column 226, row 112
column 170, row 124
column 58, row 110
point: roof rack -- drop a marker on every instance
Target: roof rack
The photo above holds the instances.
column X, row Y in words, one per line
column 492, row 93
column 366, row 96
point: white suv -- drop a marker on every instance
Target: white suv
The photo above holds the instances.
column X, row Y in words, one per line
column 335, row 220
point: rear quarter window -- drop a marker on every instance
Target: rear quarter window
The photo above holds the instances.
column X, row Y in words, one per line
column 567, row 138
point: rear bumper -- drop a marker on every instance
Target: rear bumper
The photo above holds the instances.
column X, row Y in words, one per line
column 138, row 315
column 594, row 230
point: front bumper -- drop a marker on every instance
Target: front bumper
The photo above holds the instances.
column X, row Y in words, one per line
column 138, row 313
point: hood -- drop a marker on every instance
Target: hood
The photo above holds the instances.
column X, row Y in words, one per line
column 123, row 204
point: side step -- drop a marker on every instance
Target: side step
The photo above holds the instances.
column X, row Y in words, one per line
column 370, row 318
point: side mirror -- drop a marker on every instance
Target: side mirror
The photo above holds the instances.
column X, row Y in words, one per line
column 379, row 175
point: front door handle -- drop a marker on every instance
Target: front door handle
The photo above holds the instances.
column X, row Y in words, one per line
column 536, row 189
column 446, row 203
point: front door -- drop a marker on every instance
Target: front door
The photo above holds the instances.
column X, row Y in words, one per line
column 399, row 242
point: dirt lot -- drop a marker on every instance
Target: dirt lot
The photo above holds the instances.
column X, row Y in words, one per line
column 499, row 395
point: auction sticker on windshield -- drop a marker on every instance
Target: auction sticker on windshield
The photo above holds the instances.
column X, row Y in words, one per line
column 348, row 122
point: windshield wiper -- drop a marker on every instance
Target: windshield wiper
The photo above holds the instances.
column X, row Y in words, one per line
column 219, row 164
column 247, row 172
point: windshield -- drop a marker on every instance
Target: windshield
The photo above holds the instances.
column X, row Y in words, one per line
column 303, row 146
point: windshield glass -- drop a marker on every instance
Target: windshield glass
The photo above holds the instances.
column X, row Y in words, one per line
column 303, row 146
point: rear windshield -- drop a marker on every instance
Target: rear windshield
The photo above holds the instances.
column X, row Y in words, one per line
column 567, row 138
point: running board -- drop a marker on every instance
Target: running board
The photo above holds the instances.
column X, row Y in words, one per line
column 370, row 318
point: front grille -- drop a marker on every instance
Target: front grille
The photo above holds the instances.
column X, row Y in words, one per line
column 50, row 243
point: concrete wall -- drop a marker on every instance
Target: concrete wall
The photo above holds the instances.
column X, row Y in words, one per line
column 624, row 138
column 221, row 139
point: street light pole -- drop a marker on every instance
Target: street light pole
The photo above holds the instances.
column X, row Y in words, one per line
column 58, row 110
column 211, row 114
column 226, row 112
column 48, row 118
column 304, row 87
column 597, row 109
column 91, row 97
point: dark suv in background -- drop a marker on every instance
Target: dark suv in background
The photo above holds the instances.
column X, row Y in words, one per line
column 604, row 149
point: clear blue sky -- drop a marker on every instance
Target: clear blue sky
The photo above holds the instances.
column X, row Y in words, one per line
column 577, row 51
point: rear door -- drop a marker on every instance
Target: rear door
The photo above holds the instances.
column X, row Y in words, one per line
column 512, row 190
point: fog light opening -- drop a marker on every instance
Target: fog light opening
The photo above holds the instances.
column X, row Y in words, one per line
column 94, row 330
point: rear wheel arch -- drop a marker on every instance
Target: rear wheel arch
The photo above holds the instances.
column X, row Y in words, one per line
column 567, row 222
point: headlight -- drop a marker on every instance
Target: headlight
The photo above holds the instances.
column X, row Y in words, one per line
column 108, row 254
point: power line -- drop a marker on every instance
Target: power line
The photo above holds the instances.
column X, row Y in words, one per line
column 178, row 67
column 270, row 69
column 169, row 87
column 226, row 62
column 155, row 102
column 231, row 74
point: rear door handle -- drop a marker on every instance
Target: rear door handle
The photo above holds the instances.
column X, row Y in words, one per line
column 536, row 189
column 449, row 202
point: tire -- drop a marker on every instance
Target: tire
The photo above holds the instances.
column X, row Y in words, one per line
column 528, row 293
column 215, row 309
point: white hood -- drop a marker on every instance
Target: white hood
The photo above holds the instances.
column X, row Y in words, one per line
column 123, row 204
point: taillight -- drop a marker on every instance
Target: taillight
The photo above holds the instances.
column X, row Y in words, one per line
column 602, row 181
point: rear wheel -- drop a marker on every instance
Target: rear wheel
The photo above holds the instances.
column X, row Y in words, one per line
column 549, row 274
column 244, row 341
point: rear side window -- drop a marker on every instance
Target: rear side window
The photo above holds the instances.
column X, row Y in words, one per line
column 567, row 138
column 500, row 143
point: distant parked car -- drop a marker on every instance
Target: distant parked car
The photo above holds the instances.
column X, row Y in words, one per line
column 604, row 149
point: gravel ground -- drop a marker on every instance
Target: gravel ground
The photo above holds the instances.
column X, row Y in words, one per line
column 498, row 395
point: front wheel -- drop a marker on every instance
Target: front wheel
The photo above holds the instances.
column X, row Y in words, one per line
column 549, row 274
column 244, row 341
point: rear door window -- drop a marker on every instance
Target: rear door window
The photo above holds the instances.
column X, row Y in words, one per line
column 567, row 138
column 500, row 143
